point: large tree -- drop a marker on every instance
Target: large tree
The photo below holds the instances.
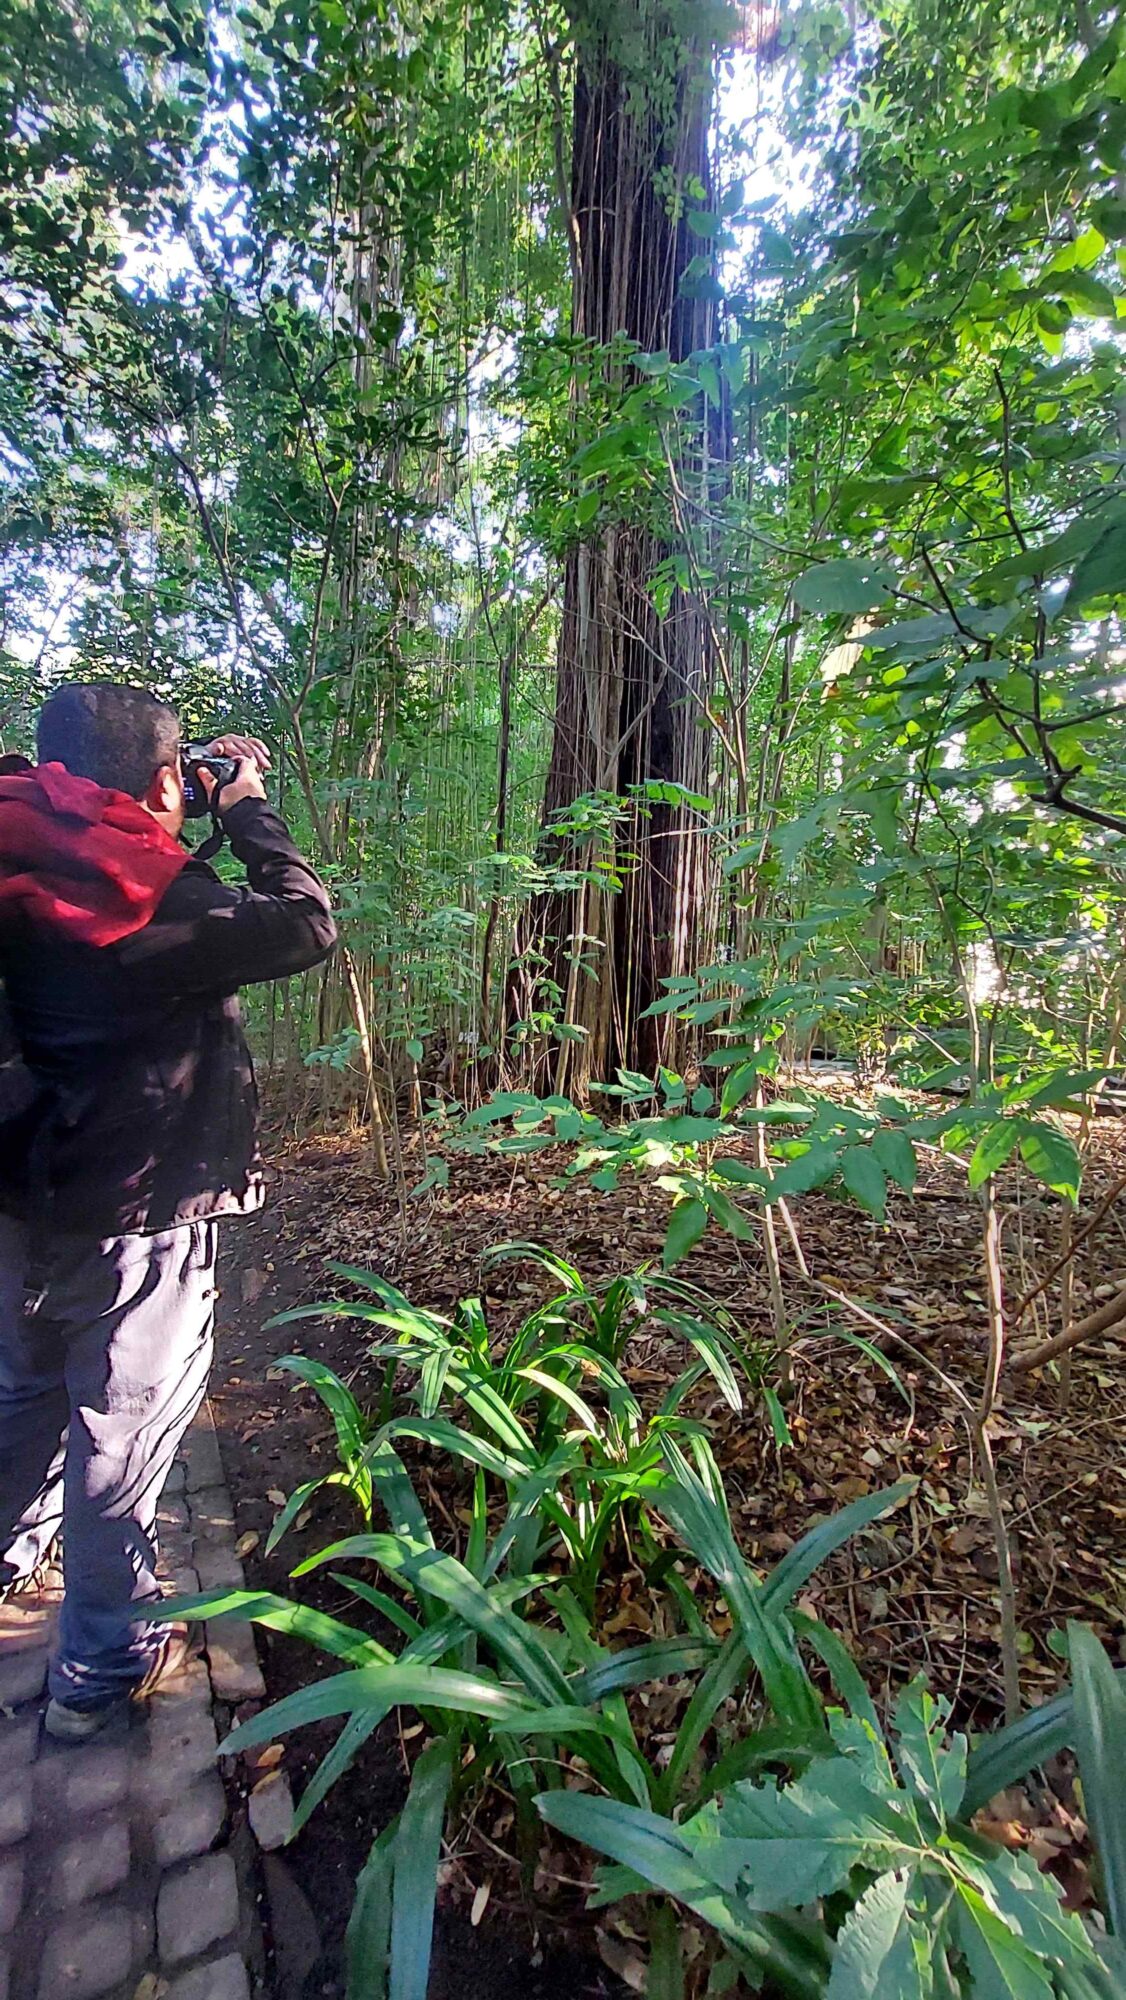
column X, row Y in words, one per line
column 634, row 658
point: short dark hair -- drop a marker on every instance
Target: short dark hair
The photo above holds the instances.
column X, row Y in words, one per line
column 119, row 736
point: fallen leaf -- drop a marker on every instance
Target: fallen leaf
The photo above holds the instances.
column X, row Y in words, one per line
column 480, row 1903
column 620, row 1959
column 247, row 1544
column 275, row 1497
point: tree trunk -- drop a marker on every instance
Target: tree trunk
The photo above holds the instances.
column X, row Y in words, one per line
column 631, row 683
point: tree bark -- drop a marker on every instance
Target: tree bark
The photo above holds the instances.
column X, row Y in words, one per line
column 631, row 684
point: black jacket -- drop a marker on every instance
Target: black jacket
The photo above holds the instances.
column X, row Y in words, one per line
column 146, row 1111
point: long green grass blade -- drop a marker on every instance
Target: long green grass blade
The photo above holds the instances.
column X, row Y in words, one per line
column 652, row 1848
column 392, row 1485
column 559, row 1268
column 658, row 1659
column 707, row 1534
column 476, row 1450
column 834, row 1654
column 512, row 1639
column 391, row 1552
column 351, row 1429
column 799, row 1563
column 398, row 1685
column 368, row 1941
column 1008, row 1754
column 344, row 1642
column 290, row 1511
column 379, row 1600
column 727, row 1670
column 417, row 1849
column 1100, row 1740
column 346, row 1748
column 752, row 1754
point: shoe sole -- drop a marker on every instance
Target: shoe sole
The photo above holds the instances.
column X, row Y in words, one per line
column 77, row 1725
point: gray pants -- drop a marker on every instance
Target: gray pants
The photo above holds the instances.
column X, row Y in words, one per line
column 96, row 1390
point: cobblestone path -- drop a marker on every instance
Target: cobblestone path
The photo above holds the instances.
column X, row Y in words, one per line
column 122, row 1876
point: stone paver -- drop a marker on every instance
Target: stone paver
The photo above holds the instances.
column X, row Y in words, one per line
column 89, row 1779
column 223, row 1979
column 233, row 1658
column 197, row 1907
column 16, row 1811
column 22, row 1675
column 193, row 1824
column 11, row 1892
column 90, row 1953
column 116, row 1880
column 270, row 1807
column 92, row 1864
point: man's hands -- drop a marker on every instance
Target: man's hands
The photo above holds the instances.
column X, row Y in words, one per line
column 253, row 760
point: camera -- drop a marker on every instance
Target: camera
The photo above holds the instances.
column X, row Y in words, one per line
column 194, row 758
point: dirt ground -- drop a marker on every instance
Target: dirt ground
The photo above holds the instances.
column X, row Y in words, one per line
column 919, row 1595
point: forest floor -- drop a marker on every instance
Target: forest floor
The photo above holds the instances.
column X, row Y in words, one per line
column 921, row 1595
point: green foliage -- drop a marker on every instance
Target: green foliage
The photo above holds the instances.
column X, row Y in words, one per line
column 854, row 1872
column 548, row 1409
column 353, row 1435
column 867, row 1859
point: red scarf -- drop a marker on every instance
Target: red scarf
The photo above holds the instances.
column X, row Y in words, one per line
column 88, row 864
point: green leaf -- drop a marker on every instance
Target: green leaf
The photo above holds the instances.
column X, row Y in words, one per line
column 846, row 584
column 783, row 1847
column 934, row 1774
column 1101, row 572
column 1002, row 1968
column 368, row 1940
column 738, row 1085
column 865, row 1179
column 1100, row 1717
column 351, row 1430
column 1052, row 1157
column 807, row 1170
column 290, row 1511
column 658, row 1659
column 819, row 1543
column 993, row 1149
column 843, row 1670
column 707, row 1533
column 344, row 1751
column 388, row 1686
column 642, row 1841
column 277, row 1614
column 881, row 1953
column 1030, row 1904
column 896, row 1156
column 1007, row 1755
column 514, row 1640
column 417, row 1853
column 777, row 1415
column 687, row 1224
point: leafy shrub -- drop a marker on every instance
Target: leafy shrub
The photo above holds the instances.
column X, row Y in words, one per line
column 829, row 1862
column 883, row 1891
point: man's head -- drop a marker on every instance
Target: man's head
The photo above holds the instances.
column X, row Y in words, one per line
column 122, row 738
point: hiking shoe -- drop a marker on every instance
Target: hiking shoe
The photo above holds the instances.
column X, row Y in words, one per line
column 67, row 1724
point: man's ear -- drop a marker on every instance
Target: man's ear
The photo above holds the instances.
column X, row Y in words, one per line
column 166, row 791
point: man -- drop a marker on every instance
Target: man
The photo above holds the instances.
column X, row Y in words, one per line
column 121, row 958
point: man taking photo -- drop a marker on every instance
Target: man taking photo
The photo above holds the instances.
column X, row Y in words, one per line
column 133, row 1133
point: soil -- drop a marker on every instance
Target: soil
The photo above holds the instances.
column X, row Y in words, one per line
column 920, row 1594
